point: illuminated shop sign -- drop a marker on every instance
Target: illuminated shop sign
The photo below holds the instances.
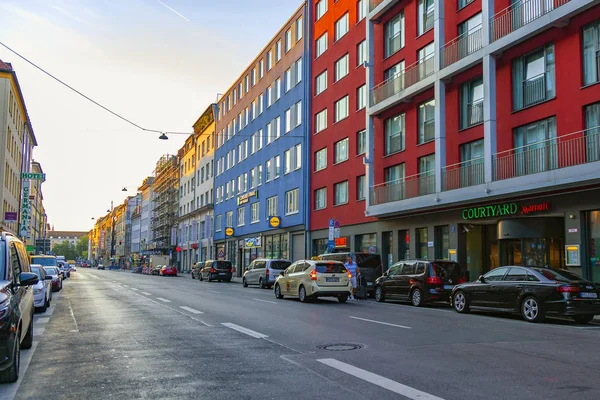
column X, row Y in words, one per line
column 504, row 209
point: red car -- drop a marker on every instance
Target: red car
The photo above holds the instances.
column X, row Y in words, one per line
column 167, row 270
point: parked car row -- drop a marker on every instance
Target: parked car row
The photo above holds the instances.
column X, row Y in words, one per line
column 164, row 270
column 213, row 270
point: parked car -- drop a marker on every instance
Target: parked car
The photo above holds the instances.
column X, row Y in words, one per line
column 420, row 281
column 102, row 267
column 42, row 291
column 56, row 275
column 196, row 269
column 16, row 305
column 73, row 267
column 264, row 272
column 310, row 279
column 168, row 270
column 369, row 264
column 216, row 270
column 156, row 270
column 65, row 269
column 532, row 292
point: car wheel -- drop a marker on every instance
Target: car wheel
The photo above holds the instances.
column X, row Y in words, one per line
column 343, row 298
column 278, row 294
column 583, row 319
column 261, row 283
column 12, row 374
column 244, row 283
column 28, row 340
column 302, row 295
column 416, row 298
column 460, row 302
column 379, row 295
column 531, row 309
column 45, row 306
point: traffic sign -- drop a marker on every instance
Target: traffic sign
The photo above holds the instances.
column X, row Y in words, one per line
column 330, row 246
column 336, row 224
column 331, row 223
column 336, row 233
column 221, row 253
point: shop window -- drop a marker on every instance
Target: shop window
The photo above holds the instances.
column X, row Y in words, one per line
column 594, row 245
column 442, row 234
column 365, row 243
column 533, row 78
column 404, row 244
column 387, row 249
column 421, row 245
column 319, row 246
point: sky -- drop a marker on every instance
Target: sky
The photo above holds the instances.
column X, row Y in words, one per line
column 158, row 63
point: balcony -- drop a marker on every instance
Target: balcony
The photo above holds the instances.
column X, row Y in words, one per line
column 401, row 189
column 474, row 113
column 413, row 74
column 534, row 90
column 464, row 174
column 374, row 3
column 520, row 14
column 565, row 151
column 461, row 46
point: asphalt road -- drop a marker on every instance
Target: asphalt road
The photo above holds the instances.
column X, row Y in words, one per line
column 127, row 336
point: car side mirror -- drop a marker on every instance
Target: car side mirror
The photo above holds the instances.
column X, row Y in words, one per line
column 481, row 279
column 27, row 279
column 282, row 273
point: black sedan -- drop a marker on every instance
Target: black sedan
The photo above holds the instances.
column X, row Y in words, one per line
column 532, row 292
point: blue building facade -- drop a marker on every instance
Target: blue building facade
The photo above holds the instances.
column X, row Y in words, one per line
column 262, row 162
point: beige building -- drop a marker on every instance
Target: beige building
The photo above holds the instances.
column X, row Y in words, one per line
column 57, row 237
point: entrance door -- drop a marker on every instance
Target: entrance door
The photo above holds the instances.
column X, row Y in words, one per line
column 298, row 247
column 511, row 252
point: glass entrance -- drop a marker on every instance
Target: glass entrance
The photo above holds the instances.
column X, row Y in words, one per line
column 532, row 252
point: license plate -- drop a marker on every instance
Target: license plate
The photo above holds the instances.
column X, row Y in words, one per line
column 221, row 273
column 448, row 287
column 369, row 283
column 586, row 295
column 332, row 279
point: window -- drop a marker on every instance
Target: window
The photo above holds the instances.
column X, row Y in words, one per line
column 259, row 170
column 361, row 97
column 470, row 41
column 288, row 40
column 394, row 174
column 341, row 27
column 297, row 72
column 535, row 147
column 287, row 162
column 394, row 134
column 321, row 8
column 269, row 60
column 441, row 237
column 361, row 53
column 218, row 221
column 278, row 51
column 591, row 54
column 421, row 247
column 394, row 34
column 260, row 69
column 321, row 83
column 291, row 201
column 361, row 183
column 495, row 274
column 321, row 159
column 340, row 151
column 260, row 103
column 426, row 66
column 254, row 212
column 464, row 3
column 229, row 219
column 253, row 79
column 272, row 210
column 427, row 174
column 320, row 121
column 320, row 198
column 340, row 193
column 471, row 155
column 268, row 170
column 425, row 15
column 277, row 167
column 298, row 157
column 592, row 133
column 293, row 116
column 321, row 45
column 341, row 109
column 287, row 79
column 471, row 103
column 257, row 141
column 299, row 28
column 361, row 142
column 533, row 78
column 516, row 275
column 427, row 121
column 341, row 67
column 241, row 216
column 277, row 94
column 361, row 8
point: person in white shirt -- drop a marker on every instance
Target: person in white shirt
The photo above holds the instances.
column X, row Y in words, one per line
column 354, row 270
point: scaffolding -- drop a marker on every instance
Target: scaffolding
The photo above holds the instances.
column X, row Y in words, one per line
column 165, row 188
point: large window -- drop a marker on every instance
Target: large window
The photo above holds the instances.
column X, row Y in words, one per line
column 287, row 162
column 272, row 209
column 255, row 212
column 361, row 53
column 320, row 120
column 471, row 157
column 471, row 103
column 291, row 201
column 361, row 142
column 299, row 28
column 592, row 133
column 421, row 247
column 341, row 67
column 361, row 187
column 321, row 8
column 427, row 174
column 394, row 134
column 427, row 121
column 426, row 65
column 341, row 109
column 535, row 147
column 340, row 193
column 470, row 40
column 394, row 34
column 394, row 174
column 361, row 97
column 425, row 15
column 361, row 8
column 241, row 216
column 341, row 151
column 441, row 240
column 320, row 198
column 533, row 77
column 229, row 219
column 288, row 40
column 321, row 45
column 321, row 83
column 321, row 159
column 591, row 54
column 218, row 223
column 341, row 27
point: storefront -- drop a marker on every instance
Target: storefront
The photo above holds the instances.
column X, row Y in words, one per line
column 249, row 250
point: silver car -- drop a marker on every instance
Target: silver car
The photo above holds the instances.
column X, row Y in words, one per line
column 42, row 291
column 264, row 272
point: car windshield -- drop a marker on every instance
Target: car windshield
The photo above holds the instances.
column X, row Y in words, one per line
column 51, row 270
column 44, row 261
column 446, row 270
column 280, row 264
column 330, row 268
column 558, row 275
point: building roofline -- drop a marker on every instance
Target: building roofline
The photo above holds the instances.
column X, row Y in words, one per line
column 7, row 67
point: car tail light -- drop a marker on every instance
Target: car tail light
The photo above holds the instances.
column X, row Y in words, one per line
column 462, row 280
column 267, row 272
column 567, row 289
column 231, row 270
column 313, row 275
column 212, row 270
column 434, row 280
column 349, row 275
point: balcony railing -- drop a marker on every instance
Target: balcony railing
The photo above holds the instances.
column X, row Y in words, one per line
column 412, row 74
column 520, row 14
column 534, row 90
column 461, row 46
column 464, row 174
column 475, row 113
column 406, row 188
column 565, row 151
column 373, row 4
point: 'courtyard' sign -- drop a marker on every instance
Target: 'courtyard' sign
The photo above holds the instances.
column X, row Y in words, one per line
column 504, row 209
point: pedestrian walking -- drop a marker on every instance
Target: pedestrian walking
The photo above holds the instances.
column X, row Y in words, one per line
column 354, row 271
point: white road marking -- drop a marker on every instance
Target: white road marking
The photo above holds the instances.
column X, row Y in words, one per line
column 173, row 309
column 74, row 320
column 246, row 331
column 41, row 320
column 382, row 323
column 114, row 288
column 125, row 286
column 50, row 311
column 39, row 331
column 10, row 391
column 265, row 301
column 94, row 276
column 81, row 277
column 379, row 380
column 134, row 289
column 147, row 294
column 163, row 300
column 212, row 291
column 191, row 310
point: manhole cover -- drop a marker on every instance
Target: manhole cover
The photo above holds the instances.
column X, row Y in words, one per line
column 340, row 346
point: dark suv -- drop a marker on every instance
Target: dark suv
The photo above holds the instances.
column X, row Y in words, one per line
column 16, row 305
column 215, row 270
column 369, row 264
column 420, row 281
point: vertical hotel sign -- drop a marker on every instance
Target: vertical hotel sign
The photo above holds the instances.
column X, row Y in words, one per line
column 25, row 210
